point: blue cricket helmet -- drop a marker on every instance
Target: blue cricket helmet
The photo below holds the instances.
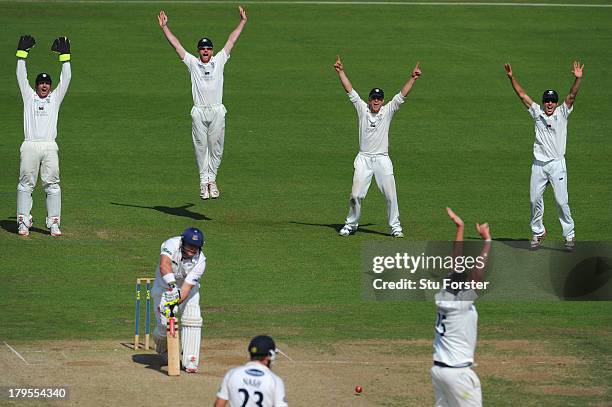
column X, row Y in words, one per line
column 193, row 237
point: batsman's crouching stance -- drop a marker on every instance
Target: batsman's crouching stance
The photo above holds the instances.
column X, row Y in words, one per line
column 39, row 149
column 176, row 291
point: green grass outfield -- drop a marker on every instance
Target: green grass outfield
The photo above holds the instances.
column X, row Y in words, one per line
column 275, row 262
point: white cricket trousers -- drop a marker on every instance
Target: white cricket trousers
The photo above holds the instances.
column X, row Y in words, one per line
column 456, row 387
column 381, row 167
column 555, row 174
column 39, row 156
column 208, row 134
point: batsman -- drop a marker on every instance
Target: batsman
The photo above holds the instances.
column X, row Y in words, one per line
column 176, row 292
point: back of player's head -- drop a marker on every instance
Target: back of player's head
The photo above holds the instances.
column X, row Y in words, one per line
column 262, row 346
column 193, row 237
column 550, row 95
column 43, row 78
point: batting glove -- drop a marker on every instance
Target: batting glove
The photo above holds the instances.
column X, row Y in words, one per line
column 61, row 45
column 26, row 42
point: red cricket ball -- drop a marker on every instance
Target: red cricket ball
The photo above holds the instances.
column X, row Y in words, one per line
column 358, row 389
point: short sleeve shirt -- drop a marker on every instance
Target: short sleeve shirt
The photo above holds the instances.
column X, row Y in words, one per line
column 207, row 78
column 374, row 127
column 550, row 132
column 184, row 270
column 252, row 385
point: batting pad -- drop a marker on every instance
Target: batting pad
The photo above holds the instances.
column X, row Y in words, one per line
column 191, row 334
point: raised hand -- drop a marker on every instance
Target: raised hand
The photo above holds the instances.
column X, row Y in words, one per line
column 483, row 231
column 416, row 72
column 243, row 15
column 454, row 217
column 508, row 69
column 338, row 65
column 162, row 18
column 577, row 69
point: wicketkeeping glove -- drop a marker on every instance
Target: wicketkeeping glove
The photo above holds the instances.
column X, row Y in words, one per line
column 26, row 42
column 61, row 45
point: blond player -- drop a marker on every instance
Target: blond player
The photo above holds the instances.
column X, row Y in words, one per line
column 177, row 290
column 373, row 158
column 549, row 155
column 39, row 149
column 454, row 382
column 254, row 384
column 208, row 112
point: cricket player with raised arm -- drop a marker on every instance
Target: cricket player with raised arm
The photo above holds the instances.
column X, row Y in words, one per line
column 176, row 290
column 208, row 112
column 39, row 151
column 548, row 165
column 373, row 158
column 454, row 382
column 254, row 384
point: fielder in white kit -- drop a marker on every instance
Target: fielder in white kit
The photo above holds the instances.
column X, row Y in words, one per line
column 208, row 112
column 373, row 157
column 177, row 290
column 454, row 382
column 549, row 155
column 39, row 149
column 254, row 384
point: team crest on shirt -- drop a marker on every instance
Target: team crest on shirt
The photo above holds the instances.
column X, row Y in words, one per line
column 373, row 122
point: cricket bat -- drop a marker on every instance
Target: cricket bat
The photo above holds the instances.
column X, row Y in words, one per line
column 174, row 351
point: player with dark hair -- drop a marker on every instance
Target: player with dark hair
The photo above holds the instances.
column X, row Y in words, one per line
column 373, row 158
column 208, row 112
column 177, row 290
column 549, row 154
column 39, row 149
column 254, row 384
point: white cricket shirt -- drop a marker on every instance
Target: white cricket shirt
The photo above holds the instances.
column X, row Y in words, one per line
column 184, row 270
column 40, row 114
column 252, row 385
column 207, row 78
column 550, row 132
column 456, row 327
column 374, row 127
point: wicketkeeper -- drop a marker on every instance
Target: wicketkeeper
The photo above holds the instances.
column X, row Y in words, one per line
column 39, row 149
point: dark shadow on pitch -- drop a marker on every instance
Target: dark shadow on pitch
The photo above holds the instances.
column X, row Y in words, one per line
column 338, row 226
column 10, row 225
column 150, row 360
column 182, row 211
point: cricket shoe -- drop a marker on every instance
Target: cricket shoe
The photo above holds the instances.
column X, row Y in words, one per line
column 204, row 194
column 214, row 191
column 346, row 231
column 54, row 228
column 570, row 243
column 191, row 365
column 23, row 225
column 398, row 234
column 536, row 241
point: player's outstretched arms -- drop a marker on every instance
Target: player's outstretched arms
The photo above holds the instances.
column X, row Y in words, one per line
column 348, row 87
column 416, row 73
column 233, row 37
column 162, row 18
column 527, row 101
column 577, row 71
column 26, row 42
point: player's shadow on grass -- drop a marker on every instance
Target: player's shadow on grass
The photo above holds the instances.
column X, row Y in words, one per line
column 10, row 225
column 337, row 227
column 176, row 211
